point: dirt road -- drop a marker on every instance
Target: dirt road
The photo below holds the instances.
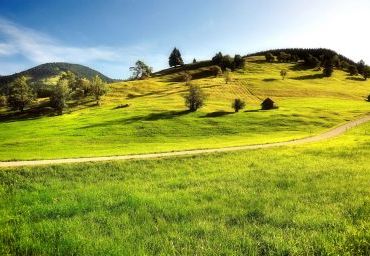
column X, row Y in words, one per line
column 326, row 135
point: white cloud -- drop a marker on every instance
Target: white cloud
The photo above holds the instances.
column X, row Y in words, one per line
column 40, row 48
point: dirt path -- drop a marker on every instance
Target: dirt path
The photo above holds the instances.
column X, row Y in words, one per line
column 326, row 135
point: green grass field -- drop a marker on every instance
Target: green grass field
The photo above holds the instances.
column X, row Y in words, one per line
column 307, row 200
column 157, row 120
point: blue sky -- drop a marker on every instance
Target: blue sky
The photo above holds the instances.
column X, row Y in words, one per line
column 110, row 35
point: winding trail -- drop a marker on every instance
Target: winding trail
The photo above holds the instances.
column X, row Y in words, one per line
column 324, row 136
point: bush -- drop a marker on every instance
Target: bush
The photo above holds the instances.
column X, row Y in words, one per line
column 238, row 104
column 283, row 74
column 227, row 75
column 195, row 98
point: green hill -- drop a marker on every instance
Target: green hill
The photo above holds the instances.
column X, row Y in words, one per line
column 51, row 70
column 156, row 119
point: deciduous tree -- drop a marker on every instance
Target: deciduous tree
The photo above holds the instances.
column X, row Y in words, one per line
column 20, row 94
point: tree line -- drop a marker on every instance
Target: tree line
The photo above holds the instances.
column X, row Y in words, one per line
column 21, row 94
column 321, row 59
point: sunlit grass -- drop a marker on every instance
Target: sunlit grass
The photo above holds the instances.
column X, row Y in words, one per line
column 306, row 200
column 157, row 121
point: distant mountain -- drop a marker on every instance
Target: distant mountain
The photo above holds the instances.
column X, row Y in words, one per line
column 50, row 70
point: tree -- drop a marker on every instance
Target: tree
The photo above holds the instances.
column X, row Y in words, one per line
column 2, row 101
column 366, row 72
column 20, row 94
column 238, row 104
column 361, row 67
column 328, row 67
column 217, row 59
column 352, row 69
column 175, row 58
column 269, row 57
column 194, row 61
column 283, row 73
column 60, row 95
column 98, row 88
column 227, row 75
column 84, row 85
column 71, row 79
column 141, row 70
column 195, row 98
column 239, row 62
column 368, row 98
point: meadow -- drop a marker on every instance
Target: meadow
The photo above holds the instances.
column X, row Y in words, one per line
column 157, row 121
column 306, row 200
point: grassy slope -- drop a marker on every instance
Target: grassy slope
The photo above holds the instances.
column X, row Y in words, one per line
column 307, row 200
column 156, row 120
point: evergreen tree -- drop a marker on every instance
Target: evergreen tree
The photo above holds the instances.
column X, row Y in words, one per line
column 352, row 69
column 361, row 67
column 175, row 58
column 269, row 57
column 239, row 62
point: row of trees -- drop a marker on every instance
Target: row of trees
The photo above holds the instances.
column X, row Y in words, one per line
column 327, row 60
column 21, row 94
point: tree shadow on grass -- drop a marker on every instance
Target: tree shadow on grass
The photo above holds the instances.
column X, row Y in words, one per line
column 150, row 117
column 360, row 79
column 309, row 77
column 269, row 79
column 217, row 114
column 252, row 111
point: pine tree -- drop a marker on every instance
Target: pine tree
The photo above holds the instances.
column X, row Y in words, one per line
column 175, row 58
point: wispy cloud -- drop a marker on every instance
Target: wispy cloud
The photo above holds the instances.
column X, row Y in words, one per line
column 40, row 48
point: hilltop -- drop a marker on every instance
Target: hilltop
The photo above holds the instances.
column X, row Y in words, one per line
column 50, row 71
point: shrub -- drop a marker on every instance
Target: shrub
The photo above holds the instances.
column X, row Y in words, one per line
column 227, row 75
column 195, row 98
column 283, row 73
column 238, row 104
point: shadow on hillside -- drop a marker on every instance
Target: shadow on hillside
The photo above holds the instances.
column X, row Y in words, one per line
column 150, row 117
column 356, row 79
column 217, row 114
column 299, row 67
column 28, row 114
column 258, row 61
column 252, row 111
column 309, row 77
column 269, row 79
column 44, row 110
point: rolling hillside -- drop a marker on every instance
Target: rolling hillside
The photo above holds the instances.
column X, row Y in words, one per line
column 156, row 119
